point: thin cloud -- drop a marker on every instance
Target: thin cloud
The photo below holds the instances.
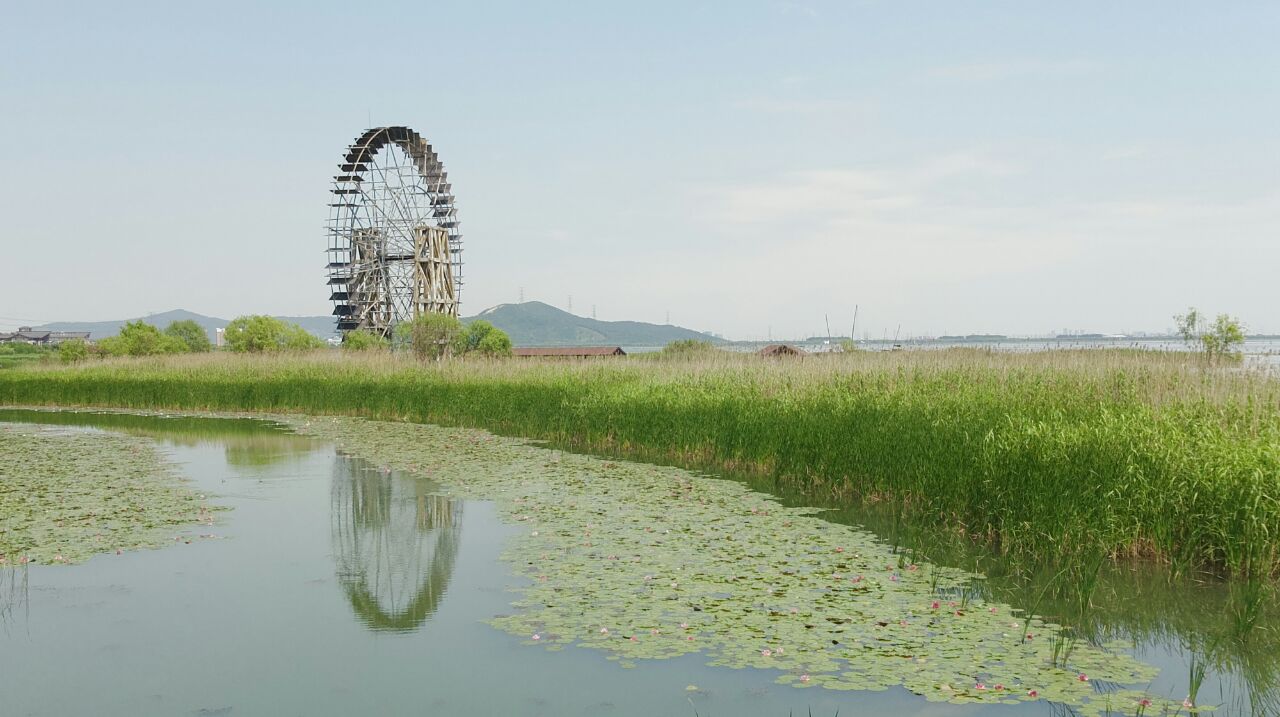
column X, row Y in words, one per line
column 794, row 106
column 792, row 7
column 830, row 195
column 1014, row 70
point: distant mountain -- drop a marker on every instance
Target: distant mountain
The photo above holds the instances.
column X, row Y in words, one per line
column 534, row 323
column 321, row 326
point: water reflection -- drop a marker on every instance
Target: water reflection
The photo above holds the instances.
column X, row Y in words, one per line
column 247, row 442
column 13, row 592
column 394, row 542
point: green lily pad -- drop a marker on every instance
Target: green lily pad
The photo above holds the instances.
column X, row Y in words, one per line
column 66, row 495
column 650, row 562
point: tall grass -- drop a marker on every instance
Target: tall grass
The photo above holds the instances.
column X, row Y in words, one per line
column 1052, row 457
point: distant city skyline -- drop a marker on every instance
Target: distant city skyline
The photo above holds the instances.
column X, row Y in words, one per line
column 748, row 167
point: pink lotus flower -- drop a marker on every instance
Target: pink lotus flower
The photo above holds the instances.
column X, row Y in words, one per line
column 804, row 678
column 635, row 639
column 935, row 605
column 689, row 638
column 1032, row 693
column 999, row 686
column 1083, row 677
column 766, row 653
column 536, row 636
column 1187, row 703
column 604, row 631
column 839, row 550
column 980, row 687
column 1144, row 702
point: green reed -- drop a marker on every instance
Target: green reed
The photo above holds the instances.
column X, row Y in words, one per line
column 1054, row 457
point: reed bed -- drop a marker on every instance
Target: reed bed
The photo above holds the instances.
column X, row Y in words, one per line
column 1047, row 457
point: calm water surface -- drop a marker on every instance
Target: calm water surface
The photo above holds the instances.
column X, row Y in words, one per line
column 335, row 589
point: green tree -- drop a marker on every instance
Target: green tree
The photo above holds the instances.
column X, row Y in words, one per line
column 484, row 338
column 495, row 344
column 73, row 350
column 297, row 338
column 259, row 334
column 1224, row 337
column 190, row 334
column 429, row 336
column 362, row 340
column 1217, row 340
column 1190, row 327
column 138, row 338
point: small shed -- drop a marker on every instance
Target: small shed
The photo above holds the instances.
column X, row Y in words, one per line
column 780, row 351
column 569, row 352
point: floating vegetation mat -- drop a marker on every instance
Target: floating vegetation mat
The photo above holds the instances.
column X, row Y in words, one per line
column 649, row 562
column 66, row 495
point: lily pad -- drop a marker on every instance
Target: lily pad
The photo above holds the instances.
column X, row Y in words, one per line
column 66, row 495
column 650, row 562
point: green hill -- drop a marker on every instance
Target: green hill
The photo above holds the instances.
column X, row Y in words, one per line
column 534, row 323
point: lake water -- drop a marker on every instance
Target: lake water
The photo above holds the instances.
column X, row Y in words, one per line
column 335, row 587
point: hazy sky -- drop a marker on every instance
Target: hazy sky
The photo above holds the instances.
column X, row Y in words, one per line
column 1014, row 167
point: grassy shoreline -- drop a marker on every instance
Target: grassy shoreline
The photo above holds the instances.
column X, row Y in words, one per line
column 1051, row 457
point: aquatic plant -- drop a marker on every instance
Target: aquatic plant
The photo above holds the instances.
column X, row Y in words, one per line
column 1044, row 458
column 649, row 562
column 65, row 496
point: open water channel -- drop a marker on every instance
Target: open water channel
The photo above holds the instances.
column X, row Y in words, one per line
column 334, row 586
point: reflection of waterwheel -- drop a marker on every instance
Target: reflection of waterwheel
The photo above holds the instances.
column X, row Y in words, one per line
column 394, row 544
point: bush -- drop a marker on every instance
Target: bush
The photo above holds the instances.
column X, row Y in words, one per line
column 495, row 344
column 258, row 334
column 191, row 334
column 21, row 349
column 688, row 348
column 362, row 340
column 429, row 336
column 73, row 350
column 139, row 338
column 483, row 338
